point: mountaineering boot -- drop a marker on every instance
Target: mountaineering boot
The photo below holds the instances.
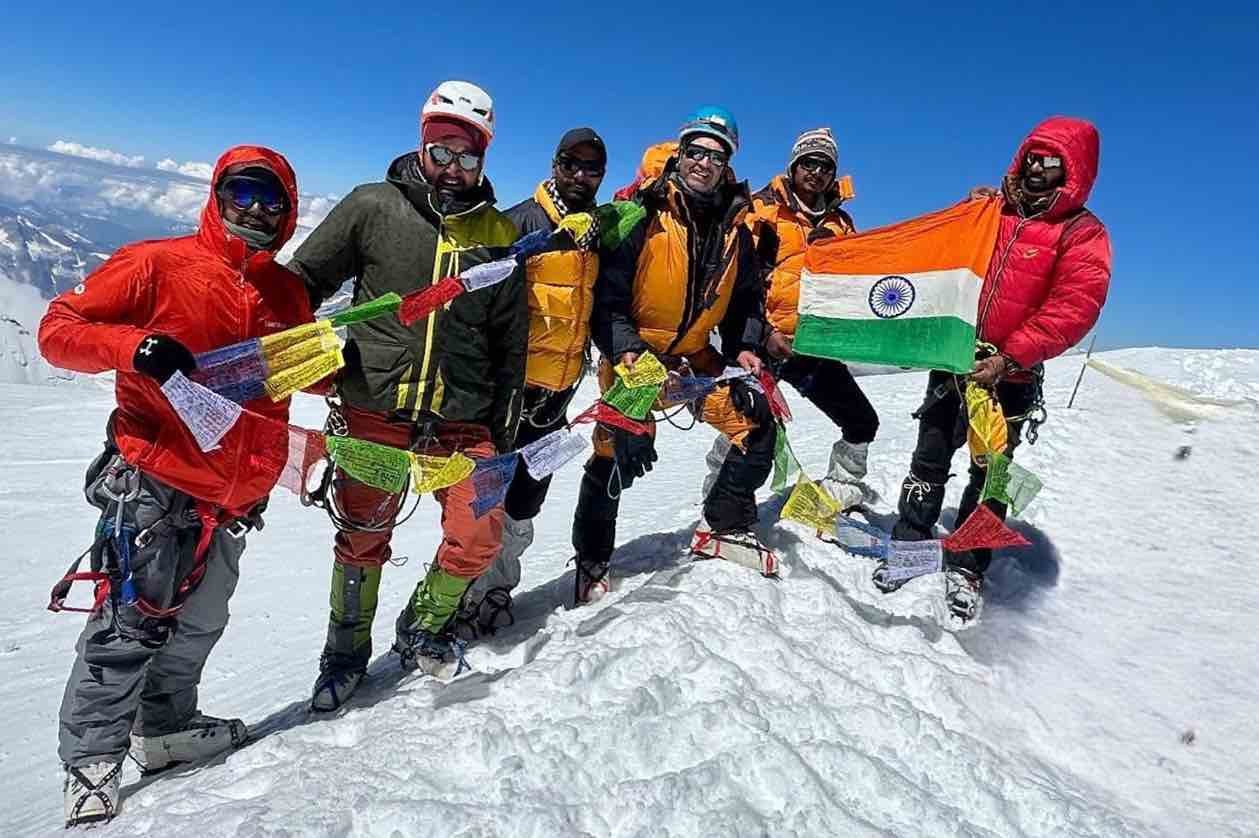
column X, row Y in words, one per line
column 963, row 591
column 486, row 607
column 422, row 641
column 439, row 655
column 591, row 583
column 594, row 531
column 845, row 476
column 333, row 687
column 715, row 459
column 740, row 546
column 201, row 738
column 348, row 649
column 91, row 792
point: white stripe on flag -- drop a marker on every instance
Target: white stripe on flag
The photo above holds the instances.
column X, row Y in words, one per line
column 947, row 293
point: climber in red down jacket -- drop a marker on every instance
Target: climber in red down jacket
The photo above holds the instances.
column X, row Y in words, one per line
column 173, row 517
column 1045, row 288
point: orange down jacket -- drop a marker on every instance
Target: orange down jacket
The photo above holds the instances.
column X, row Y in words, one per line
column 781, row 232
column 666, row 287
column 206, row 290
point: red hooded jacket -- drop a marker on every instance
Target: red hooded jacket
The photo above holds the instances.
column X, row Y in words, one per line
column 206, row 291
column 1050, row 271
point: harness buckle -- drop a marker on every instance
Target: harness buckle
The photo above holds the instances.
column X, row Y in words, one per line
column 238, row 529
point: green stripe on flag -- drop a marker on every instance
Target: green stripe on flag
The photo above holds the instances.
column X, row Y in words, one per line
column 932, row 343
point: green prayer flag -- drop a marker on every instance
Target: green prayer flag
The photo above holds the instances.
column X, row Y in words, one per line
column 634, row 402
column 379, row 466
column 785, row 463
column 384, row 304
column 1009, row 483
column 617, row 220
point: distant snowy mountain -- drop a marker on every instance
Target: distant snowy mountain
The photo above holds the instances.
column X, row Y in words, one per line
column 21, row 306
column 44, row 251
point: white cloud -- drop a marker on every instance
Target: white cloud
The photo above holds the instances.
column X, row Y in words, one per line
column 201, row 171
column 12, row 140
column 65, row 185
column 178, row 201
column 312, row 209
column 104, row 155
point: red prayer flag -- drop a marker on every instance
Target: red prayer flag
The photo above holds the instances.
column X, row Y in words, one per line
column 983, row 530
column 608, row 415
column 777, row 402
column 418, row 304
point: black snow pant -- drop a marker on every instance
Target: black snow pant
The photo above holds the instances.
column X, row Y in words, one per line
column 942, row 429
column 137, row 672
column 545, row 411
column 731, row 505
column 830, row 386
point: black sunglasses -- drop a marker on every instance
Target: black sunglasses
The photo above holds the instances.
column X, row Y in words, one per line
column 817, row 165
column 572, row 167
column 243, row 191
column 697, row 153
column 1046, row 161
column 443, row 157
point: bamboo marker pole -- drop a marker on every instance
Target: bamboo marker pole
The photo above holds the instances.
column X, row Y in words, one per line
column 1083, row 366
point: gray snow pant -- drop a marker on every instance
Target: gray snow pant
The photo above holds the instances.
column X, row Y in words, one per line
column 133, row 671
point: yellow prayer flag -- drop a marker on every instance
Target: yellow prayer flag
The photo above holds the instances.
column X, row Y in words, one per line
column 298, row 353
column 647, row 370
column 285, row 383
column 272, row 344
column 811, row 505
column 577, row 224
column 429, row 474
column 987, row 432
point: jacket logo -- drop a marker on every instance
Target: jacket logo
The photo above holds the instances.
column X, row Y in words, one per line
column 1031, row 252
column 892, row 296
column 80, row 288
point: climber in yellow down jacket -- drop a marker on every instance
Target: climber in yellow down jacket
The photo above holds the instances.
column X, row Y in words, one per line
column 685, row 270
column 561, row 289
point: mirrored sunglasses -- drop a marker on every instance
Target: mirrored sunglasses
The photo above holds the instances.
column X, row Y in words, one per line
column 443, row 157
column 243, row 192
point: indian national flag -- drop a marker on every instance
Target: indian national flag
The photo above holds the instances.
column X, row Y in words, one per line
column 904, row 295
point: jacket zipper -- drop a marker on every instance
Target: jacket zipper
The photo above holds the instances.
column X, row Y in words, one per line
column 688, row 302
column 245, row 329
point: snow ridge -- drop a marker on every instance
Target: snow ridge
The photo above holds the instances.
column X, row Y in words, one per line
column 701, row 699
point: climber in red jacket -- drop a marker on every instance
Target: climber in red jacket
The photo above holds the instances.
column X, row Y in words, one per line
column 174, row 517
column 1044, row 291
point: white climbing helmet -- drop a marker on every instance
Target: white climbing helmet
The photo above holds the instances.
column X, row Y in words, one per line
column 464, row 101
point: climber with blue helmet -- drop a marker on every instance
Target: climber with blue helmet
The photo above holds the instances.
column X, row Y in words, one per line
column 685, row 270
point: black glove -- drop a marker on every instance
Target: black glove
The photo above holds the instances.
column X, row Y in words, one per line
column 160, row 357
column 751, row 402
column 634, row 455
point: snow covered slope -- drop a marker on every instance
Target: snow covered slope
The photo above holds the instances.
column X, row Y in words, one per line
column 1108, row 689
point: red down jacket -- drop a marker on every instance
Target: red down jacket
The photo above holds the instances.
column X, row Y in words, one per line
column 206, row 291
column 1049, row 272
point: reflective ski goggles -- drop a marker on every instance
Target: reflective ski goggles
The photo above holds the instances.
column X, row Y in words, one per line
column 1045, row 161
column 443, row 157
column 572, row 167
column 816, row 165
column 697, row 153
column 243, row 191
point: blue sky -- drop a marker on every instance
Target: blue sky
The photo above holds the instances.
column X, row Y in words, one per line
column 926, row 100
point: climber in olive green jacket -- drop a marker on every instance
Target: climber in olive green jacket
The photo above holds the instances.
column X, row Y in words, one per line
column 449, row 382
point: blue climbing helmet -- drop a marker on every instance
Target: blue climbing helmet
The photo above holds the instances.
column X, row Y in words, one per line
column 712, row 122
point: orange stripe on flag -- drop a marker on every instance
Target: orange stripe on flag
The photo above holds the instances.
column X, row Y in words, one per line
column 927, row 243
